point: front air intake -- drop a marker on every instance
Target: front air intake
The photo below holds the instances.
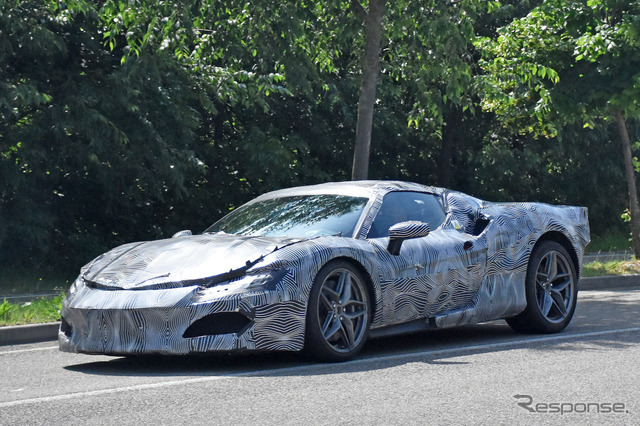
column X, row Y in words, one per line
column 65, row 327
column 219, row 323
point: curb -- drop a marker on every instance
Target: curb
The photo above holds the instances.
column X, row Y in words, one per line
column 609, row 282
column 32, row 333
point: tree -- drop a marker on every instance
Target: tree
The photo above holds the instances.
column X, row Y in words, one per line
column 569, row 62
column 424, row 44
column 370, row 74
column 421, row 41
column 125, row 120
column 83, row 137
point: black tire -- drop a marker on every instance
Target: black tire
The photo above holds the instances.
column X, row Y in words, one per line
column 338, row 314
column 551, row 288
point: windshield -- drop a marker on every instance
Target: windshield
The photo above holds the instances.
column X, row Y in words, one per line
column 297, row 216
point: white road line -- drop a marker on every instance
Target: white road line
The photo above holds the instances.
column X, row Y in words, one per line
column 19, row 351
column 297, row 369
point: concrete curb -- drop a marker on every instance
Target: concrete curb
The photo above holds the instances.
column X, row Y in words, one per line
column 614, row 282
column 21, row 334
column 32, row 333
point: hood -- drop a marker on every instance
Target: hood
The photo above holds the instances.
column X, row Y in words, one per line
column 181, row 261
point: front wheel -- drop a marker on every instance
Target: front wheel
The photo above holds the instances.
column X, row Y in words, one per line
column 551, row 287
column 338, row 315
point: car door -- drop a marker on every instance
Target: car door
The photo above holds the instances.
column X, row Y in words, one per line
column 433, row 274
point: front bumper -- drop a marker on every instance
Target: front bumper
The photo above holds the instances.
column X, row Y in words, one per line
column 122, row 322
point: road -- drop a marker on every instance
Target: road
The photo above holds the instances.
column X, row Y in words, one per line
column 586, row 375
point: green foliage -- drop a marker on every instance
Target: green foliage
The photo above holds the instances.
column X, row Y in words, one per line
column 5, row 308
column 35, row 312
column 565, row 62
column 426, row 54
column 611, row 240
column 582, row 169
column 123, row 121
column 96, row 152
column 614, row 267
column 110, row 138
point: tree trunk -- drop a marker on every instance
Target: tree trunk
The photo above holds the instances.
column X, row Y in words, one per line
column 631, row 182
column 370, row 75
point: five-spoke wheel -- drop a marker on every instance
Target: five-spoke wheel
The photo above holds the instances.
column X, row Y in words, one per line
column 338, row 315
column 551, row 289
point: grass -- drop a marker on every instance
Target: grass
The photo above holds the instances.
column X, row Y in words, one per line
column 613, row 241
column 613, row 267
column 35, row 312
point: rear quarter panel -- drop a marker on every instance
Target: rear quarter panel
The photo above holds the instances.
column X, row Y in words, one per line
column 511, row 235
column 515, row 228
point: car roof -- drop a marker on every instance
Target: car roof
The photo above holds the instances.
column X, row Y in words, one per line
column 359, row 188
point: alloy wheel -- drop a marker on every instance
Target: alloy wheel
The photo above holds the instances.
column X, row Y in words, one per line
column 343, row 310
column 554, row 286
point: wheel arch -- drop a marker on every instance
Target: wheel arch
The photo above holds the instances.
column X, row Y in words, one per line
column 565, row 242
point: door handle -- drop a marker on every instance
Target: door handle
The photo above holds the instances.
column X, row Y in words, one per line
column 467, row 245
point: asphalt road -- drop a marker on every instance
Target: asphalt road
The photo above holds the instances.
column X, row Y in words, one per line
column 586, row 375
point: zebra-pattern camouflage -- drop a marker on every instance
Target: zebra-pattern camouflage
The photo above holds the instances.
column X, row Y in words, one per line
column 410, row 229
column 143, row 297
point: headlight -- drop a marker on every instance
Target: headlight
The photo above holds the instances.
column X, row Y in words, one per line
column 264, row 279
column 78, row 283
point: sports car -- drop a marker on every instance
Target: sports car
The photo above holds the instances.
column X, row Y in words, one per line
column 323, row 268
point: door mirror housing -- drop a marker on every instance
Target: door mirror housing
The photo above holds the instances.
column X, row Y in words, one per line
column 405, row 231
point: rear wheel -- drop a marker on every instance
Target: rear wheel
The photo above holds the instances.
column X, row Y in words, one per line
column 338, row 315
column 551, row 289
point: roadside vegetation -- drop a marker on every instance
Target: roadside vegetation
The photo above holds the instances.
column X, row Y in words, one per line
column 614, row 241
column 614, row 267
column 167, row 115
column 37, row 311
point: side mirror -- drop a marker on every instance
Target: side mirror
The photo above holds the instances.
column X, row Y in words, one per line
column 182, row 233
column 404, row 231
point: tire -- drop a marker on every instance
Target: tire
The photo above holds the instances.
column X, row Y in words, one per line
column 551, row 288
column 338, row 314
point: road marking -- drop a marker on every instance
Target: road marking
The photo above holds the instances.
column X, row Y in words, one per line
column 19, row 351
column 298, row 368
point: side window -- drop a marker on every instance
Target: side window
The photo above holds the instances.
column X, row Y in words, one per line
column 403, row 206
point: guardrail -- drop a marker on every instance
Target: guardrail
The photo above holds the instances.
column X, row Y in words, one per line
column 17, row 298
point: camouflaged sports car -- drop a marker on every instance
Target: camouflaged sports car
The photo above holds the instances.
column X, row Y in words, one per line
column 324, row 267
